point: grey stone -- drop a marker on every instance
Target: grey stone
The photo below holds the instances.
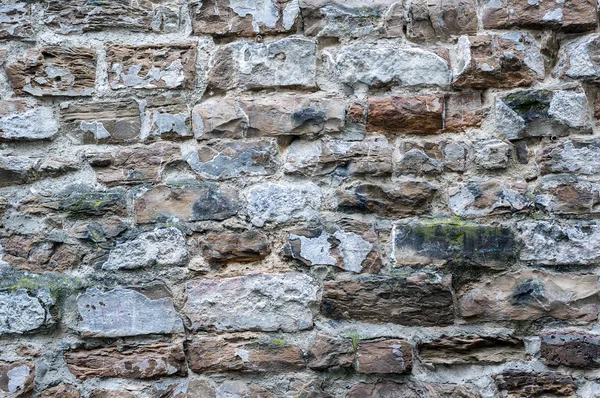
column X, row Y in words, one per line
column 283, row 202
column 15, row 21
column 161, row 247
column 166, row 118
column 431, row 20
column 492, row 154
column 480, row 197
column 20, row 121
column 579, row 59
column 125, row 312
column 266, row 302
column 567, row 194
column 570, row 156
column 15, row 170
column 21, row 312
column 219, row 117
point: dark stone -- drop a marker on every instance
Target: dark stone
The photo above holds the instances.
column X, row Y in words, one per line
column 517, row 384
column 577, row 350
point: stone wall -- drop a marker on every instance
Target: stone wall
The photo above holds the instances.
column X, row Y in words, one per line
column 299, row 198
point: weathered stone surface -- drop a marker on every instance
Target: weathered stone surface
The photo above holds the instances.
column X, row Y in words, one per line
column 267, row 302
column 111, row 394
column 237, row 388
column 516, row 384
column 417, row 158
column 102, row 122
column 16, row 378
column 21, row 312
column 61, row 391
column 125, row 312
column 479, row 198
column 220, row 117
column 240, row 18
column 431, row 20
column 271, row 203
column 570, row 156
column 391, row 356
column 492, row 154
column 570, row 349
column 579, row 59
column 21, row 121
column 16, row 170
column 15, row 21
column 228, row 247
column 78, row 16
column 569, row 16
column 552, row 243
column 166, row 118
column 54, row 71
column 327, row 352
column 372, row 157
column 383, row 66
column 226, row 160
column 438, row 244
column 503, row 61
column 410, row 389
column 134, row 164
column 400, row 199
column 40, row 254
column 471, row 349
column 539, row 113
column 463, row 111
column 289, row 62
column 414, row 301
column 531, row 295
column 130, row 362
column 567, row 194
column 177, row 388
column 348, row 244
column 408, row 115
column 187, row 201
column 151, row 66
column 218, row 355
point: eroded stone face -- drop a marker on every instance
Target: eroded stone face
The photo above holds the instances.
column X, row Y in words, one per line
column 478, row 198
column 471, row 349
column 406, row 115
column 579, row 60
column 21, row 121
column 567, row 194
column 16, row 170
column 15, row 21
column 166, row 118
column 235, row 247
column 411, row 389
column 390, row 356
column 219, row 117
column 16, row 378
column 418, row 158
column 328, row 352
column 21, row 312
column 570, row 349
column 62, row 391
column 431, row 20
column 151, row 66
column 570, row 156
column 516, row 383
column 266, row 302
column 54, row 71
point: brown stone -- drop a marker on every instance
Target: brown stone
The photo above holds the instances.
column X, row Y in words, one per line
column 531, row 295
column 61, row 391
column 569, row 16
column 519, row 384
column 479, row 198
column 502, row 61
column 16, row 378
column 578, row 350
column 217, row 355
column 247, row 246
column 130, row 362
column 226, row 18
column 54, row 71
column 188, row 201
column 151, row 66
column 413, row 301
column 399, row 199
column 409, row 115
column 418, row 158
column 220, row 117
column 463, row 111
column 328, row 352
column 133, row 165
column 166, row 118
column 471, row 349
column 111, row 394
column 567, row 194
column 16, row 21
column 35, row 254
column 431, row 20
column 410, row 389
column 390, row 356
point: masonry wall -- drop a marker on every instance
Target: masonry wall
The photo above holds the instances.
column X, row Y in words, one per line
column 299, row 198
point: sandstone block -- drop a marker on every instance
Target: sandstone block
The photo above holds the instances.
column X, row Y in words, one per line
column 267, row 302
column 412, row 301
column 61, row 391
column 17, row 170
column 431, row 20
column 479, row 198
column 570, row 156
column 16, row 21
column 21, row 121
column 219, row 117
column 391, row 356
column 228, row 247
column 16, row 378
column 471, row 349
column 54, row 71
column 463, row 111
column 578, row 350
column 21, row 312
column 166, row 118
column 41, row 254
column 567, row 194
column 516, row 383
column 408, row 115
column 411, row 389
column 327, row 352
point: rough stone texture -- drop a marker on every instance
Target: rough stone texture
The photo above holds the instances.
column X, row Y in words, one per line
column 478, row 198
column 40, row 254
column 530, row 295
column 579, row 59
column 151, row 66
column 415, row 389
column 575, row 156
column 328, row 352
column 418, row 158
column 228, row 247
column 15, row 21
column 21, row 312
column 515, row 384
column 16, row 170
column 130, row 362
column 16, row 378
column 492, row 154
column 61, row 391
column 416, row 300
column 384, row 357
column 463, row 111
column 567, row 194
column 471, row 349
column 166, row 117
column 54, row 71
column 267, row 302
column 430, row 20
column 570, row 349
column 414, row 115
column 21, row 121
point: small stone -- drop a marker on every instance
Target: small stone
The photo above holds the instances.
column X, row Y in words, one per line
column 414, row 301
column 492, row 154
column 239, row 389
column 16, row 21
column 288, row 62
column 151, row 66
column 406, row 115
column 22, row 313
column 579, row 59
column 111, row 394
column 248, row 246
column 401, row 199
column 530, row 295
column 570, row 156
column 226, row 160
column 432, row 20
column 166, row 118
column 171, row 389
column 471, row 349
column 517, row 383
column 390, row 356
column 418, row 158
column 220, row 117
column 462, row 112
column 327, row 352
column 280, row 203
column 20, row 121
column 217, row 355
column 128, row 362
column 266, row 302
column 54, row 71
column 567, row 194
column 503, row 61
column 61, row 391
column 579, row 350
column 411, row 389
column 188, row 201
column 16, row 379
column 479, row 198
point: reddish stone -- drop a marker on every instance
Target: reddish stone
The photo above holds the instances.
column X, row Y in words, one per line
column 384, row 357
column 408, row 115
